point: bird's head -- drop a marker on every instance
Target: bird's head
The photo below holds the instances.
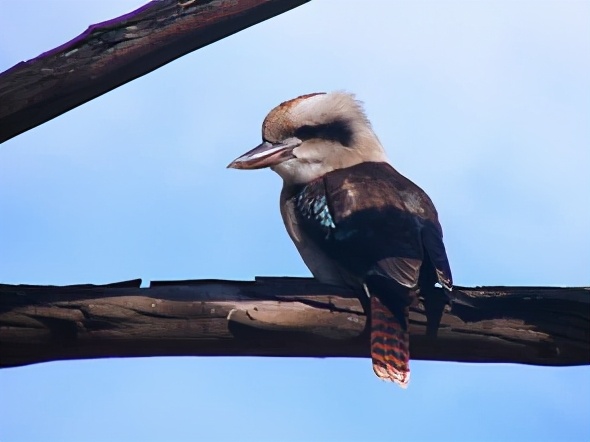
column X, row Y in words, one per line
column 311, row 135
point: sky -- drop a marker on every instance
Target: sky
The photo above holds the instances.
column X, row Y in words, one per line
column 484, row 104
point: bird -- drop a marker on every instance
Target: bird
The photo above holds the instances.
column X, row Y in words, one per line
column 355, row 220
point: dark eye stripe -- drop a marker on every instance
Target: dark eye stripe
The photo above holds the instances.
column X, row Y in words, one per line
column 339, row 131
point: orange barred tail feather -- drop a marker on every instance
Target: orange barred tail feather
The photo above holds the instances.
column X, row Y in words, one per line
column 390, row 344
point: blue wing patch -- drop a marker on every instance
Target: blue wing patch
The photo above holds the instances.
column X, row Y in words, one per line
column 314, row 208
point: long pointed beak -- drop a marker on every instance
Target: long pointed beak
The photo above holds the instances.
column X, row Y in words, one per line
column 266, row 155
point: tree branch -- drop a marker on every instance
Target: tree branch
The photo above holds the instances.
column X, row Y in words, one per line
column 281, row 317
column 114, row 52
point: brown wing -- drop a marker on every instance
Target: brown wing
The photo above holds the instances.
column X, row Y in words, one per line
column 369, row 220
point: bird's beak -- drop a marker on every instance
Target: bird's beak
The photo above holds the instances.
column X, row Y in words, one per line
column 266, row 154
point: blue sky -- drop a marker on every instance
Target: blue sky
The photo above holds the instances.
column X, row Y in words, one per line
column 484, row 104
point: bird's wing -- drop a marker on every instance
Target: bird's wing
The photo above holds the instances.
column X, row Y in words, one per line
column 366, row 220
column 322, row 267
column 387, row 220
column 401, row 219
column 432, row 239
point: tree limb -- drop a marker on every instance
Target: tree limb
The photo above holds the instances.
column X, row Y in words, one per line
column 281, row 317
column 114, row 52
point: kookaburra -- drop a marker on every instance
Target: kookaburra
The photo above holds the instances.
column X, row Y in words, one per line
column 355, row 220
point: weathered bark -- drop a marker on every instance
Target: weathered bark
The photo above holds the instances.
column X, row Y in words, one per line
column 114, row 52
column 281, row 317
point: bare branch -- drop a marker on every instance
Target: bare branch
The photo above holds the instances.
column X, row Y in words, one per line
column 114, row 52
column 281, row 317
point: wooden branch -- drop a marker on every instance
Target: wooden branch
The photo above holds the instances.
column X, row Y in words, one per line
column 281, row 317
column 114, row 52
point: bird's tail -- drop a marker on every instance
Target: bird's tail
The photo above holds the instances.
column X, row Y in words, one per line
column 390, row 343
